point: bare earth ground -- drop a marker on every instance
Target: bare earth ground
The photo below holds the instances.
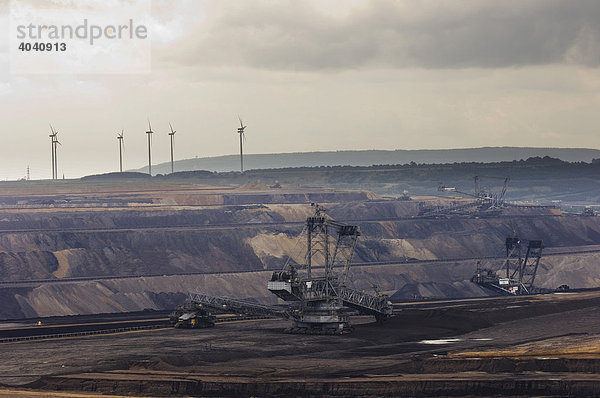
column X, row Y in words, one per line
column 517, row 346
column 507, row 347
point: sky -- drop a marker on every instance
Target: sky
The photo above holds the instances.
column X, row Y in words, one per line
column 315, row 75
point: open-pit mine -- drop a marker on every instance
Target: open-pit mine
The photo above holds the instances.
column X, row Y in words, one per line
column 90, row 271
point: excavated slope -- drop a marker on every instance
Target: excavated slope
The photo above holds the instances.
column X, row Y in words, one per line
column 402, row 281
column 140, row 247
column 64, row 243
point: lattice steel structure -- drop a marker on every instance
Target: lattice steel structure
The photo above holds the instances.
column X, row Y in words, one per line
column 517, row 273
column 319, row 285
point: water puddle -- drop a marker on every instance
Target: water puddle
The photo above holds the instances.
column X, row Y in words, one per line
column 440, row 341
column 450, row 341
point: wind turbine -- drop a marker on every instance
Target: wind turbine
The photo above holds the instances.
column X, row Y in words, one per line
column 52, row 136
column 172, row 134
column 120, row 138
column 54, row 141
column 240, row 131
column 149, row 132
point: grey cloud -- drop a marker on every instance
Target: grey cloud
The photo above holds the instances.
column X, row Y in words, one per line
column 430, row 34
column 505, row 33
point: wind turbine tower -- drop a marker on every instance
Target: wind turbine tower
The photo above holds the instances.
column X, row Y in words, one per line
column 149, row 132
column 172, row 134
column 54, row 141
column 52, row 135
column 56, row 155
column 240, row 131
column 120, row 138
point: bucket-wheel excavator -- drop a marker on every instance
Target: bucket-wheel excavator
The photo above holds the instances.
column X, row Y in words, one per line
column 320, row 284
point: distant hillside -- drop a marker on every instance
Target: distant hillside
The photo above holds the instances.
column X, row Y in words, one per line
column 373, row 157
column 542, row 179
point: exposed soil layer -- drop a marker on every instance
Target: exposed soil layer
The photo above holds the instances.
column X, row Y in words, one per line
column 443, row 279
column 473, row 347
column 146, row 231
column 145, row 246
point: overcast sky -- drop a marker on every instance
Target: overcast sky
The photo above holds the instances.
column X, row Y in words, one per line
column 309, row 75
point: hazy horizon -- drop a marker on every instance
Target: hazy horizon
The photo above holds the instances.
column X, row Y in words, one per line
column 317, row 75
column 231, row 162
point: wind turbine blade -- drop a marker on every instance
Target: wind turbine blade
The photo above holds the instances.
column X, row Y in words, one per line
column 149, row 126
column 241, row 123
column 171, row 127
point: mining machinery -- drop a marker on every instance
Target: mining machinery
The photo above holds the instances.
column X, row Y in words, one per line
column 318, row 298
column 192, row 315
column 493, row 199
column 224, row 304
column 319, row 286
column 516, row 276
column 588, row 211
column 484, row 201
